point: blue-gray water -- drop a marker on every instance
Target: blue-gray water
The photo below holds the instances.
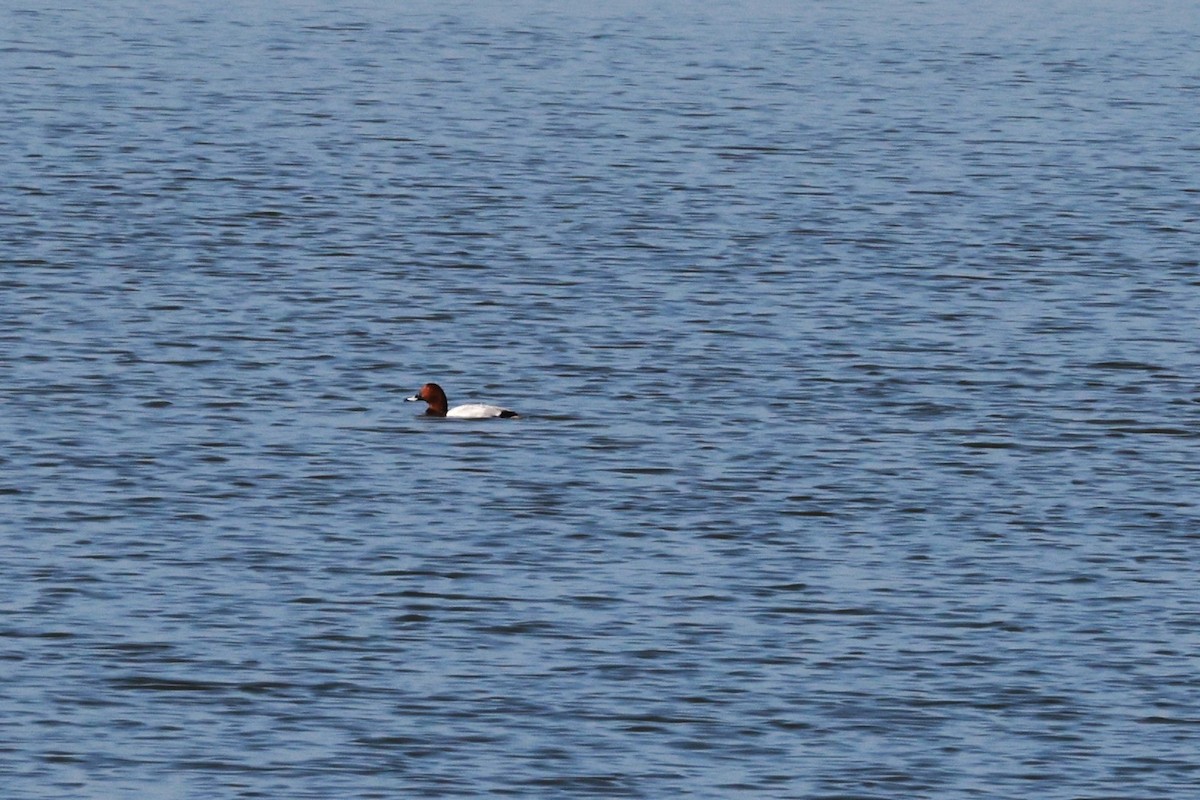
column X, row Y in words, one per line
column 857, row 350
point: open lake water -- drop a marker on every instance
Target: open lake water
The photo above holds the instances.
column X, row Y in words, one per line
column 856, row 348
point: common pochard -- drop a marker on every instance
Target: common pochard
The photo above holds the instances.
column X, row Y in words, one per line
column 432, row 394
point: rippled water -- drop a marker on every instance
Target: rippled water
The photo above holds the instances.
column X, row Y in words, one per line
column 856, row 350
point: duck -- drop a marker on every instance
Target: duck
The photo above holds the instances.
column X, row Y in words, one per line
column 432, row 394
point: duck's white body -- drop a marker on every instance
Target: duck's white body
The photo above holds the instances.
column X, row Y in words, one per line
column 479, row 411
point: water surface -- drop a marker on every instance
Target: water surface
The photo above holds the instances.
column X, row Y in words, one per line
column 855, row 348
